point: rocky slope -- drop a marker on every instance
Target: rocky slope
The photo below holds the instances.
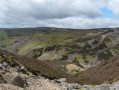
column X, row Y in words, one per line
column 15, row 76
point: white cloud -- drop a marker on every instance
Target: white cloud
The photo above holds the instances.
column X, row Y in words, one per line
column 70, row 22
column 84, row 23
column 114, row 6
column 56, row 13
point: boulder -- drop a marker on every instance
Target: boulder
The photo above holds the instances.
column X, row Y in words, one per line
column 86, row 87
column 2, row 81
column 61, row 80
column 73, row 86
column 116, row 87
column 104, row 87
column 20, row 82
column 5, row 64
column 1, row 66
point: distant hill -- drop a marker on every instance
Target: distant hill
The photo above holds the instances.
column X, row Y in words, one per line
column 85, row 48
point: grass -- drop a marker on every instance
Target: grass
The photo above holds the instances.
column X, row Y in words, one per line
column 116, row 48
column 79, row 58
column 3, row 35
column 23, row 50
column 108, row 43
column 46, row 38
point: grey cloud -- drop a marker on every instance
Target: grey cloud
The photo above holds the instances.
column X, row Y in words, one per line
column 54, row 13
column 70, row 22
column 85, row 23
column 49, row 8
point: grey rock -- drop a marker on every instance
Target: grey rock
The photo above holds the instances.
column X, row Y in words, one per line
column 104, row 87
column 86, row 87
column 116, row 87
column 65, row 88
column 57, row 57
column 61, row 80
column 1, row 65
column 5, row 64
column 13, row 63
column 73, row 86
column 2, row 81
column 22, row 67
column 20, row 82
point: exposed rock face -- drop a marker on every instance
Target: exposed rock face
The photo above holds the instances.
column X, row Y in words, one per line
column 100, row 46
column 50, row 56
column 17, row 77
column 9, row 87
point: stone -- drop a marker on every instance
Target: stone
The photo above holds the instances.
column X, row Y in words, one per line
column 20, row 82
column 1, row 65
column 86, row 87
column 2, row 81
column 13, row 63
column 74, row 86
column 5, row 64
column 104, row 87
column 61, row 80
column 116, row 87
column 23, row 69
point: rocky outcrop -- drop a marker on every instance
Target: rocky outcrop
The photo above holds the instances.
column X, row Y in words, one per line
column 50, row 56
column 75, row 86
column 14, row 76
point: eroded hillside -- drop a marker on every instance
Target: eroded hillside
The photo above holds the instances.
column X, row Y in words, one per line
column 86, row 48
column 106, row 72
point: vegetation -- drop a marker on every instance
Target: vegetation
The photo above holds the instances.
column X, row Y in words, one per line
column 92, row 53
column 81, row 48
column 73, row 51
column 106, row 72
column 49, row 69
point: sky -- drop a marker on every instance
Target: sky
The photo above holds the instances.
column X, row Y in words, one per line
column 80, row 14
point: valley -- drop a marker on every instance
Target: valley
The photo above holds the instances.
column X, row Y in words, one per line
column 82, row 56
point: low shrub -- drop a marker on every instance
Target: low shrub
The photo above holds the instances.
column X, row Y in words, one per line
column 106, row 72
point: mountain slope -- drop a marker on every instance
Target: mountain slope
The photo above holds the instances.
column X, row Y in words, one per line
column 36, row 67
column 15, row 76
column 106, row 72
column 86, row 48
column 85, row 57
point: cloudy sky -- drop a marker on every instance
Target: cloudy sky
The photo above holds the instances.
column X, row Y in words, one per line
column 59, row 13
